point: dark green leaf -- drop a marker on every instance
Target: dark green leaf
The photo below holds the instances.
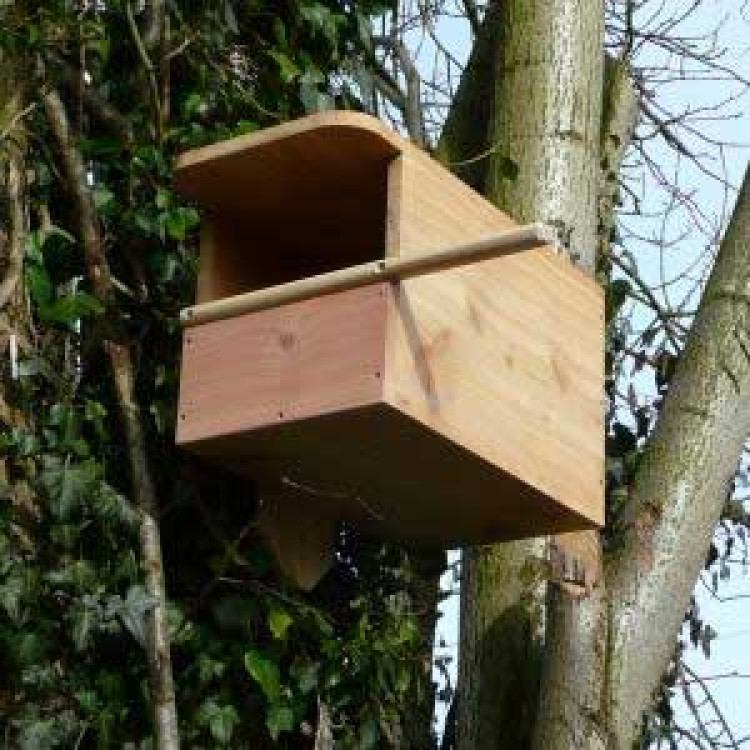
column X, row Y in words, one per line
column 265, row 672
column 280, row 718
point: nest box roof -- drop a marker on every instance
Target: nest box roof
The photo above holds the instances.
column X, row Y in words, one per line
column 341, row 156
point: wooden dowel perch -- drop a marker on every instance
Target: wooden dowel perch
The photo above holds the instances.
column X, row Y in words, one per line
column 373, row 272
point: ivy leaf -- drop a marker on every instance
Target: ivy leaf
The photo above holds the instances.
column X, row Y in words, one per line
column 71, row 308
column 36, row 733
column 221, row 720
column 84, row 619
column 67, row 486
column 103, row 197
column 323, row 21
column 163, row 198
column 313, row 99
column 134, row 612
column 306, row 675
column 288, row 69
column 34, row 243
column 101, row 147
column 181, row 221
column 369, row 735
column 279, row 621
column 100, row 46
column 265, row 672
column 11, row 592
column 39, row 284
column 209, row 668
column 280, row 718
column 617, row 293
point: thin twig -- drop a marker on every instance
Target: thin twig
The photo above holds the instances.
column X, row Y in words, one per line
column 147, row 64
column 16, row 189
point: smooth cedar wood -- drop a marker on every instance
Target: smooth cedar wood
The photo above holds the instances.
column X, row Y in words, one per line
column 459, row 407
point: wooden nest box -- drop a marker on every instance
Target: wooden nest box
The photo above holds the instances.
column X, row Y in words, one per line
column 442, row 407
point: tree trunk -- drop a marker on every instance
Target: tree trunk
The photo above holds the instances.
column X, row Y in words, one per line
column 14, row 314
column 502, row 618
column 541, row 64
column 537, row 153
column 682, row 484
column 570, row 709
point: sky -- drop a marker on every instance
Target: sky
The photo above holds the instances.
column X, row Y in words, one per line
column 693, row 226
column 729, row 612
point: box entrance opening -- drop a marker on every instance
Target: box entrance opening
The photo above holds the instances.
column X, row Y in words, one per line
column 289, row 208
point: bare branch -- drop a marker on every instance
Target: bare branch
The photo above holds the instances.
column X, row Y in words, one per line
column 155, row 14
column 15, row 188
column 148, row 64
column 732, row 742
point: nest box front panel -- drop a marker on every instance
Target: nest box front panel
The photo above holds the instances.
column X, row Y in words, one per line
column 290, row 363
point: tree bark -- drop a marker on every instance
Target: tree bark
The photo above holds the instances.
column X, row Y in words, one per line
column 606, row 652
column 502, row 619
column 541, row 65
column 463, row 146
column 546, row 119
column 13, row 185
column 14, row 314
column 682, row 485
column 571, row 712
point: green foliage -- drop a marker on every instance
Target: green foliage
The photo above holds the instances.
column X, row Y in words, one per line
column 253, row 660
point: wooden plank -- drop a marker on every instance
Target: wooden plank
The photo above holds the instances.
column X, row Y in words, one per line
column 338, row 142
column 394, row 477
column 312, row 358
column 504, row 357
column 224, row 269
column 429, row 207
column 302, row 541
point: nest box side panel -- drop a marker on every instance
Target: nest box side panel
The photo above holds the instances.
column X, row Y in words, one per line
column 290, row 363
column 504, row 357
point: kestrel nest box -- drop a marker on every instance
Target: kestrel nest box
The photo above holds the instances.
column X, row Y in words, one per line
column 374, row 333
